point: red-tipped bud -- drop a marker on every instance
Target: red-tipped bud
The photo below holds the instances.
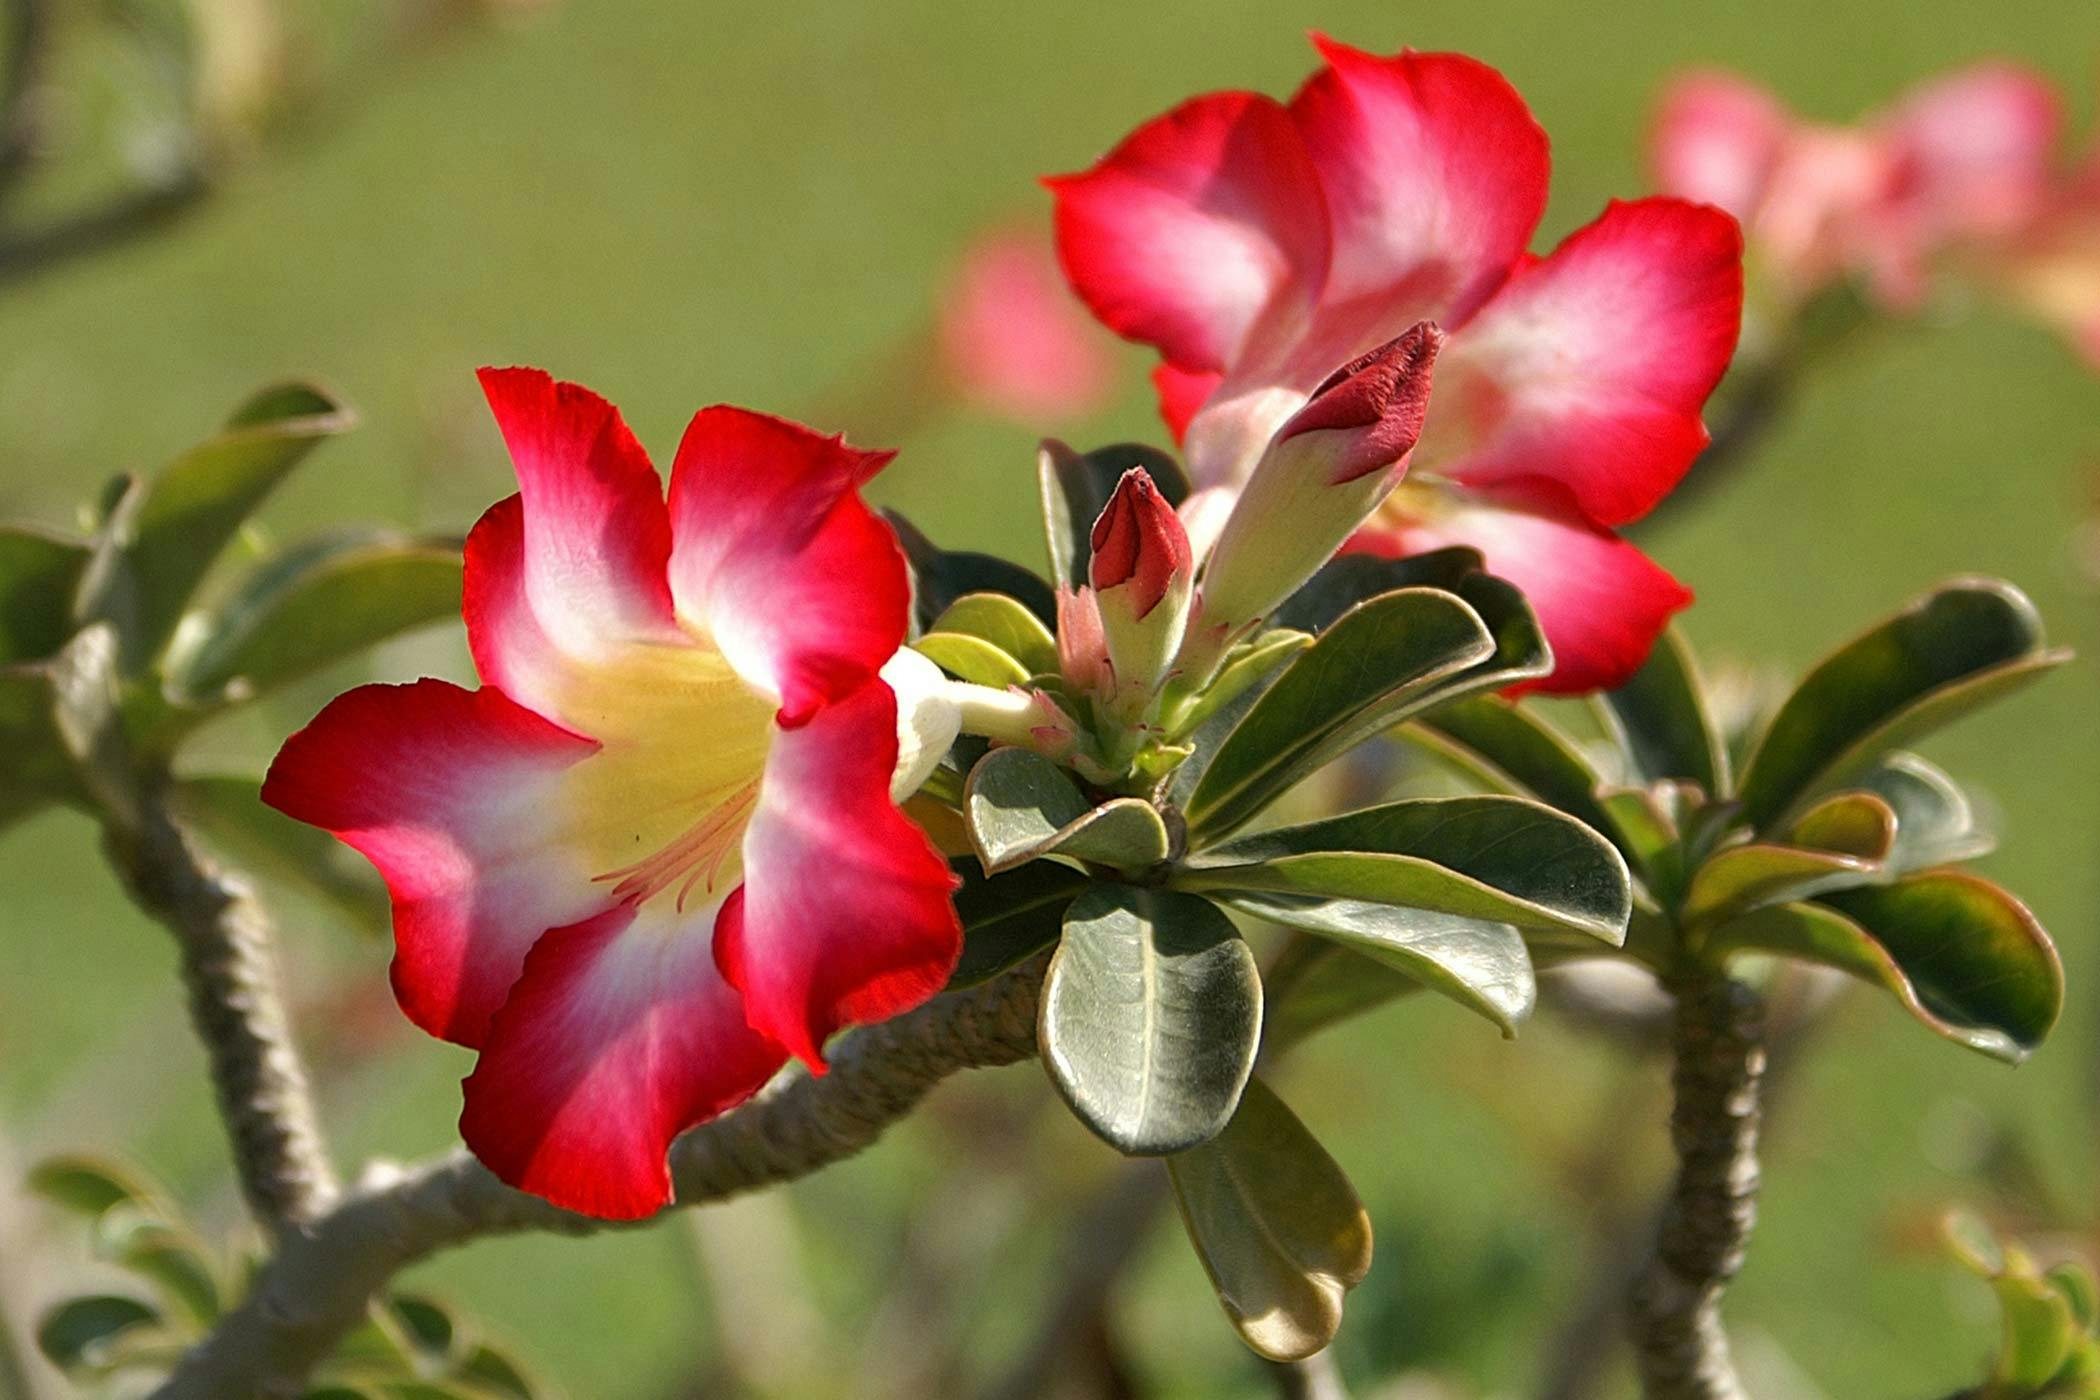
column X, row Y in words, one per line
column 1139, row 541
column 1325, row 471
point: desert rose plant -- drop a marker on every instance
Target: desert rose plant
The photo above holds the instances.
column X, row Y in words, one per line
column 768, row 812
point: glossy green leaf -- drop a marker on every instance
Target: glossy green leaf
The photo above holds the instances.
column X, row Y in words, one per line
column 1369, row 670
column 2044, row 1318
column 312, row 605
column 1246, row 670
column 1076, row 486
column 168, row 532
column 1007, row 919
column 1277, row 1226
column 1342, row 583
column 88, row 1186
column 1743, row 878
column 1859, row 824
column 426, row 1324
column 1019, row 806
column 1964, row 644
column 77, row 1334
column 170, row 1258
column 971, row 659
column 1497, row 859
column 1508, row 746
column 1151, row 1016
column 1316, row 982
column 1643, row 823
column 1007, row 625
column 1934, row 822
column 39, row 577
column 229, row 813
column 940, row 576
column 1663, row 716
column 1483, row 966
column 1962, row 956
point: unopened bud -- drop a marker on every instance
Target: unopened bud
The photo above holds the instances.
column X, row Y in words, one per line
column 1143, row 577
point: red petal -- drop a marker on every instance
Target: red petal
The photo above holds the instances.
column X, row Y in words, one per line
column 1181, row 392
column 1717, row 140
column 1435, row 175
column 453, row 794
column 845, row 912
column 1198, row 226
column 619, row 1035
column 574, row 564
column 776, row 555
column 1601, row 602
column 1590, row 366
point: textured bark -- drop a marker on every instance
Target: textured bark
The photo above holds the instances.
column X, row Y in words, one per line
column 316, row 1287
column 1674, row 1309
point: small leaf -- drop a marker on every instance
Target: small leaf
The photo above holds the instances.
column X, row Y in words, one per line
column 167, row 533
column 1076, row 486
column 1497, row 859
column 1151, row 1016
column 1961, row 955
column 1007, row 919
column 1245, row 670
column 1510, row 747
column 1952, row 650
column 496, row 1374
column 1316, row 982
column 427, row 1326
column 1020, row 806
column 1482, row 966
column 38, row 769
column 39, row 576
column 173, row 1260
column 940, row 576
column 229, row 812
column 1934, row 823
column 1858, row 824
column 971, row 659
column 1743, row 878
column 89, row 1186
column 1277, row 1226
column 1007, row 625
column 1365, row 672
column 2075, row 1282
column 1663, row 715
column 312, row 605
column 77, row 1334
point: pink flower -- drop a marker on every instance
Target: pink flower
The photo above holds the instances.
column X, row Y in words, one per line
column 657, row 851
column 1013, row 341
column 2052, row 266
column 1259, row 245
column 1959, row 160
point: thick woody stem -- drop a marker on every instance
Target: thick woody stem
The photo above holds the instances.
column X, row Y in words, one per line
column 317, row 1286
column 225, row 944
column 1674, row 1309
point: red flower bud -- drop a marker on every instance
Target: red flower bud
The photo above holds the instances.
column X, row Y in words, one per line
column 1379, row 398
column 1138, row 540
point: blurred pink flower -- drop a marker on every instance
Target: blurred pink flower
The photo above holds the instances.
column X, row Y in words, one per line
column 2052, row 267
column 1014, row 341
column 1961, row 161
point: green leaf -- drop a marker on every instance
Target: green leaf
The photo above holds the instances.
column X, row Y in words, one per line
column 1342, row 583
column 174, row 1261
column 1019, row 806
column 971, row 659
column 1934, row 823
column 1151, row 1016
column 1966, row 643
column 1369, row 670
column 1961, row 955
column 1743, row 878
column 1859, row 824
column 1482, row 966
column 1246, row 670
column 1007, row 919
column 1007, row 625
column 1663, row 715
column 312, row 605
column 1316, row 982
column 77, row 1334
column 229, row 812
column 1277, row 1226
column 1508, row 746
column 88, row 1186
column 497, row 1374
column 39, row 577
column 38, row 769
column 169, row 531
column 1076, row 487
column 426, row 1325
column 2075, row 1282
column 1497, row 859
column 940, row 576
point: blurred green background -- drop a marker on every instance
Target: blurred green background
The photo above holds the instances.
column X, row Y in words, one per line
column 685, row 203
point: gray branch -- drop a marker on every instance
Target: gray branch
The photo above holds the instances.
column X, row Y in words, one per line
column 317, row 1286
column 1674, row 1309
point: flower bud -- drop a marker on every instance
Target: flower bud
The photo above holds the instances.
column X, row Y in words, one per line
column 1325, row 471
column 1143, row 576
